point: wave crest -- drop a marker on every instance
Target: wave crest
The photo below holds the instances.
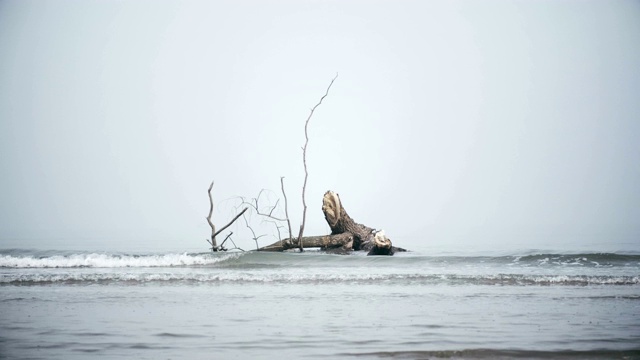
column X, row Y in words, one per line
column 97, row 260
column 229, row 277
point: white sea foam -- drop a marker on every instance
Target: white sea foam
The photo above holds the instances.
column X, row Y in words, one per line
column 286, row 277
column 97, row 260
column 224, row 277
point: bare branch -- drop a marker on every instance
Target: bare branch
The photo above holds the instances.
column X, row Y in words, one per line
column 214, row 233
column 286, row 209
column 304, row 162
column 225, row 239
column 273, row 208
column 214, row 247
column 255, row 204
column 235, row 247
column 254, row 238
column 278, row 227
column 230, row 222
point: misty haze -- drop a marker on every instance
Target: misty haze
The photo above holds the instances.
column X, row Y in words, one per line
column 497, row 141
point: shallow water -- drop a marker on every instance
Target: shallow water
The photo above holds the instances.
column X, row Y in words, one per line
column 259, row 305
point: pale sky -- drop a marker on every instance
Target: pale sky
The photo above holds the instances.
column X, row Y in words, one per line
column 451, row 125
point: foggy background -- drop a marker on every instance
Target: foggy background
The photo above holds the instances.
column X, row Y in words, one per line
column 452, row 124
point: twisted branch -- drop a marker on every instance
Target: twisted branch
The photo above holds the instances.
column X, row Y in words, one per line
column 255, row 204
column 214, row 246
column 254, row 238
column 286, row 210
column 304, row 162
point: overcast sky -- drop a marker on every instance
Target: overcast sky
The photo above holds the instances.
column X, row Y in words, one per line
column 451, row 125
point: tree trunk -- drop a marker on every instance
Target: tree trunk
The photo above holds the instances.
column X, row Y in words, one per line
column 324, row 242
column 346, row 234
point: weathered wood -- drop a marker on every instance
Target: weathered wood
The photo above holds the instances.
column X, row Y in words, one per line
column 346, row 234
column 230, row 222
column 380, row 245
column 375, row 242
column 340, row 222
column 325, row 242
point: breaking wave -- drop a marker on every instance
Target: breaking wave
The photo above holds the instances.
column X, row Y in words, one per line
column 97, row 260
column 20, row 259
column 313, row 278
column 19, row 267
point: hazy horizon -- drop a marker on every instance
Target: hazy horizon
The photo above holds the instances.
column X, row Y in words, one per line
column 451, row 125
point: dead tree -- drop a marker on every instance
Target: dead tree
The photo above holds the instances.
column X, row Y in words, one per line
column 214, row 233
column 346, row 235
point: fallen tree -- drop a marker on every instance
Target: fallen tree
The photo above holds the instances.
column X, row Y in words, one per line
column 346, row 235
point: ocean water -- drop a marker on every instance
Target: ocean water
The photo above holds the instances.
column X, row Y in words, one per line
column 79, row 305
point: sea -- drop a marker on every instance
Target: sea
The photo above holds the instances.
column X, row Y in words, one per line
column 58, row 304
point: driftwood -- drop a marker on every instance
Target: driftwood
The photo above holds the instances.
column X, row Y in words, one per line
column 323, row 242
column 346, row 235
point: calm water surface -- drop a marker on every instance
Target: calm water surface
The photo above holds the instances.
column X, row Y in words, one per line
column 62, row 305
